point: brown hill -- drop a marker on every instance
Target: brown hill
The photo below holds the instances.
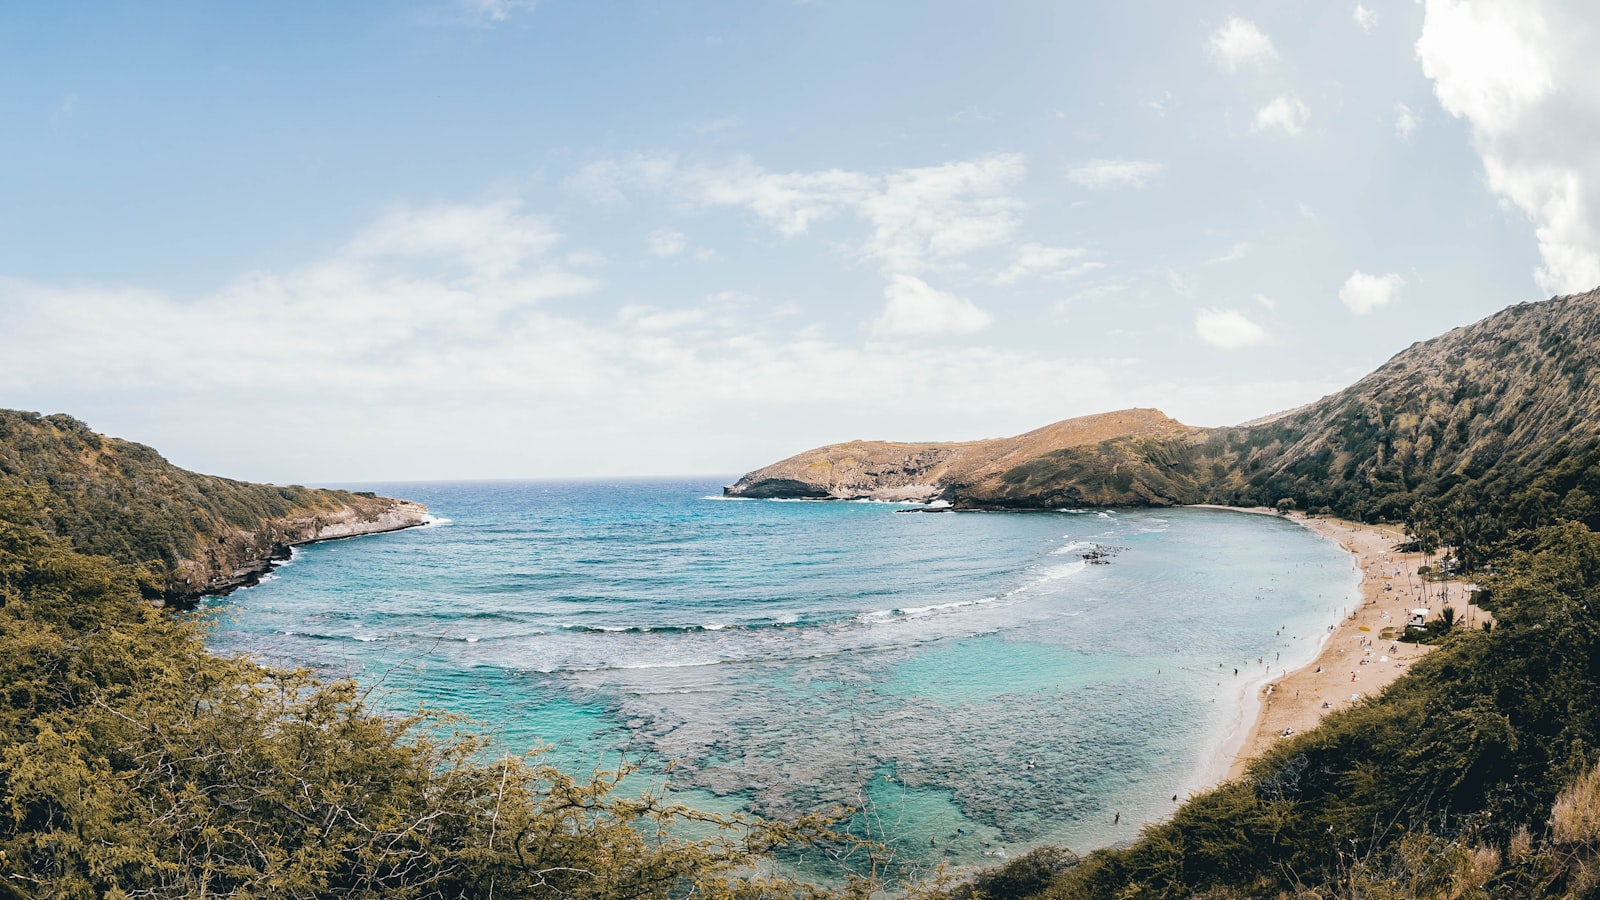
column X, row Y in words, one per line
column 969, row 473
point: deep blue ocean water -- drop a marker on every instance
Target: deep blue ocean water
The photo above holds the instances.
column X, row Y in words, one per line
column 969, row 681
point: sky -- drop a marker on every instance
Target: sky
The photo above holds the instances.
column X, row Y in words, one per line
column 309, row 242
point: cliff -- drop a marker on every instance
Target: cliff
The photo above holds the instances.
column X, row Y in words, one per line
column 188, row 534
column 240, row 556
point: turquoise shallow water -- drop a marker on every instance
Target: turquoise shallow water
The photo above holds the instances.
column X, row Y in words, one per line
column 970, row 682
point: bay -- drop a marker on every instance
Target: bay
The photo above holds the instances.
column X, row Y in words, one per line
column 970, row 684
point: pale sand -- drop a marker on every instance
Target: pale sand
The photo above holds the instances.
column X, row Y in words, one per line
column 1298, row 700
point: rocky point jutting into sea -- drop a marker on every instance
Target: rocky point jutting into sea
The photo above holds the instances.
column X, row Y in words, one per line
column 189, row 534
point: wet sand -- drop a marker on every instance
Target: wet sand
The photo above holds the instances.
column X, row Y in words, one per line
column 1356, row 662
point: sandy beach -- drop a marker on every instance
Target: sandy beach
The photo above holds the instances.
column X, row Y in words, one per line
column 1356, row 661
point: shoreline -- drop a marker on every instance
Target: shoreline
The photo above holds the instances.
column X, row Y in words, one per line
column 1354, row 661
column 243, row 559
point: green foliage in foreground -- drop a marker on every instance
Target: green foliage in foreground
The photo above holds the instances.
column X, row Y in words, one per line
column 1441, row 787
column 133, row 763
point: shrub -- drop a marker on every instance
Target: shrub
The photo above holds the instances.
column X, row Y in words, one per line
column 1575, row 817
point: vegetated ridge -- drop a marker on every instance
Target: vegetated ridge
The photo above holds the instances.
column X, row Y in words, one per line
column 187, row 534
column 990, row 473
column 1495, row 425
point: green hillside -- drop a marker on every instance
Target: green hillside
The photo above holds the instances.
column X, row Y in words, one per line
column 1470, row 435
column 123, row 500
column 1496, row 424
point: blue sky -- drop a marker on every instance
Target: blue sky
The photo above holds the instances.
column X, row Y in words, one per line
column 335, row 242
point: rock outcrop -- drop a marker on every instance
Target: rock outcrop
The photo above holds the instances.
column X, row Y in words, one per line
column 239, row 558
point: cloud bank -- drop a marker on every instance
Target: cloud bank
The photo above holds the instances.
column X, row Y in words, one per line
column 1524, row 75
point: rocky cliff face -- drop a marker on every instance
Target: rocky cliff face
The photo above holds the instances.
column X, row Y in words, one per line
column 987, row 473
column 239, row 558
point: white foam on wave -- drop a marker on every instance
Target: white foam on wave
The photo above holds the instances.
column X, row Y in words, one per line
column 432, row 521
column 913, row 612
column 1073, row 547
column 1055, row 573
column 1048, row 574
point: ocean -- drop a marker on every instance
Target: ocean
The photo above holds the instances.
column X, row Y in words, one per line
column 970, row 684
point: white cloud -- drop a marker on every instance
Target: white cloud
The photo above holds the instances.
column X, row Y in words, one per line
column 1364, row 17
column 665, row 242
column 1180, row 285
column 928, row 215
column 790, row 202
column 416, row 285
column 493, row 239
column 1267, row 302
column 918, row 218
column 1491, row 62
column 65, row 110
column 1405, row 121
column 1240, row 43
column 1039, row 261
column 915, row 308
column 650, row 318
column 1228, row 329
column 1363, row 293
column 1524, row 75
column 1283, row 113
column 1235, row 253
column 716, row 126
column 496, row 10
column 1097, row 174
